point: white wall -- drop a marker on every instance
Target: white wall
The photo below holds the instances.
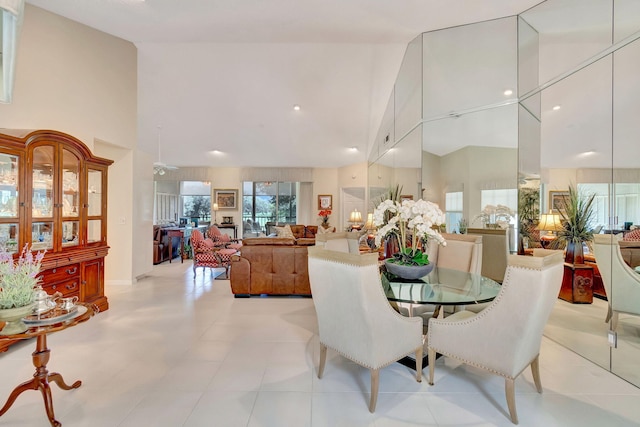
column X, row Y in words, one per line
column 80, row 81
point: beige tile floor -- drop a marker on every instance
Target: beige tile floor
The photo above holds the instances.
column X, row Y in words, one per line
column 172, row 351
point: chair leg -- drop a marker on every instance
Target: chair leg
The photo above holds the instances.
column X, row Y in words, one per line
column 510, row 390
column 419, row 364
column 323, row 359
column 432, row 361
column 535, row 371
column 375, row 382
column 614, row 320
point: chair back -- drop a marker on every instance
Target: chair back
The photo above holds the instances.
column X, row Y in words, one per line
column 340, row 242
column 518, row 315
column 354, row 315
column 621, row 282
column 196, row 238
column 495, row 251
column 462, row 252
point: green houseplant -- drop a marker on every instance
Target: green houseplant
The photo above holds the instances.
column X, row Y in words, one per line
column 576, row 212
column 528, row 213
column 18, row 280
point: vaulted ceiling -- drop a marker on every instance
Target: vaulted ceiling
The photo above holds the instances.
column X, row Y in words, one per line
column 225, row 75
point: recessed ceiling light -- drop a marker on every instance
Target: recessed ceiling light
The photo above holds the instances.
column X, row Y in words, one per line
column 216, row 152
column 296, row 107
column 354, row 148
column 508, row 92
column 556, row 108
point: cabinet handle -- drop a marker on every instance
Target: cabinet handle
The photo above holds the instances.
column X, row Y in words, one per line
column 71, row 286
column 72, row 271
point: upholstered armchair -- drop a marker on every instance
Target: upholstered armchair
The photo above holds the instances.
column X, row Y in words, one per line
column 462, row 252
column 505, row 337
column 221, row 239
column 340, row 242
column 620, row 281
column 354, row 316
column 207, row 255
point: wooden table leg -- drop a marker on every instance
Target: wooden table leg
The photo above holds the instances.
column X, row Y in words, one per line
column 41, row 380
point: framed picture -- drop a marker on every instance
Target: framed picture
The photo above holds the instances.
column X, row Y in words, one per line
column 404, row 197
column 558, row 200
column 325, row 201
column 225, row 198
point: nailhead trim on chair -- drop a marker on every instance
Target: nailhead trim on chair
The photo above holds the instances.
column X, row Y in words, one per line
column 336, row 259
column 480, row 315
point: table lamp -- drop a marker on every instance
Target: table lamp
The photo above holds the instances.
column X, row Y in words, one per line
column 551, row 223
column 215, row 213
column 355, row 219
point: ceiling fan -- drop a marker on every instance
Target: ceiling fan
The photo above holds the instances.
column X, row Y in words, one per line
column 160, row 168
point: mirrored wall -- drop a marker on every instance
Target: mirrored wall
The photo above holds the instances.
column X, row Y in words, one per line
column 530, row 105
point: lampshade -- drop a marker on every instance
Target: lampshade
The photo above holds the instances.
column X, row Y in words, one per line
column 550, row 222
column 369, row 224
column 355, row 216
column 215, row 207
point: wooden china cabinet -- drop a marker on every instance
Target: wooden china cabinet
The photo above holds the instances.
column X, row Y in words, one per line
column 53, row 197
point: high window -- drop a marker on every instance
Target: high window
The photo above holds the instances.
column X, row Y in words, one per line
column 267, row 201
column 453, row 211
column 195, row 199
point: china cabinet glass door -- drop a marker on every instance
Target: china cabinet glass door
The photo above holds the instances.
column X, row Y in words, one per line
column 42, row 197
column 70, row 198
column 95, row 196
column 9, row 173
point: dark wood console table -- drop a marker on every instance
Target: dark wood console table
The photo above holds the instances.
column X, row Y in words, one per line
column 233, row 227
column 40, row 357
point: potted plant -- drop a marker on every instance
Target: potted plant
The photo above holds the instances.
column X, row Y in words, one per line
column 17, row 287
column 528, row 213
column 412, row 223
column 576, row 212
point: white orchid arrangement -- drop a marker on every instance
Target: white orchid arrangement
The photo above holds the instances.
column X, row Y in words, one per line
column 500, row 215
column 412, row 222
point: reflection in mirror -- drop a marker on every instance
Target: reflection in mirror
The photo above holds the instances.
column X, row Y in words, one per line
column 626, row 190
column 582, row 122
column 11, row 12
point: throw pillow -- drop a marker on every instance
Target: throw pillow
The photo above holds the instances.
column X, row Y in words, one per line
column 284, row 232
column 632, row 236
column 322, row 230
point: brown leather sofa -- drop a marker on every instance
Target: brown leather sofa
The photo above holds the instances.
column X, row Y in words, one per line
column 279, row 266
column 271, row 266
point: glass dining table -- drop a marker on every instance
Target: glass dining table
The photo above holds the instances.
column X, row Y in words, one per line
column 441, row 287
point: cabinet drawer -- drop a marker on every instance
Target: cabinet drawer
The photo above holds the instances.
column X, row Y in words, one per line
column 60, row 273
column 67, row 288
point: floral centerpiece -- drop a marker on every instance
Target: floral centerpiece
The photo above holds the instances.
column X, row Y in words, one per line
column 18, row 282
column 18, row 278
column 498, row 216
column 412, row 223
column 324, row 217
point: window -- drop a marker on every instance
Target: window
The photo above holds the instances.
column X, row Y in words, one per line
column 453, row 204
column 268, row 201
column 195, row 199
column 626, row 205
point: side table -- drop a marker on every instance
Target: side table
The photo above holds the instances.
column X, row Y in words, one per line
column 40, row 357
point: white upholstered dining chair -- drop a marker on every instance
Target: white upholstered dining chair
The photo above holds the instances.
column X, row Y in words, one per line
column 354, row 316
column 462, row 252
column 505, row 337
column 621, row 282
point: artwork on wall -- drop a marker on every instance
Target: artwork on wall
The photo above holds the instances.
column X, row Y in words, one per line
column 226, row 198
column 325, row 201
column 558, row 200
